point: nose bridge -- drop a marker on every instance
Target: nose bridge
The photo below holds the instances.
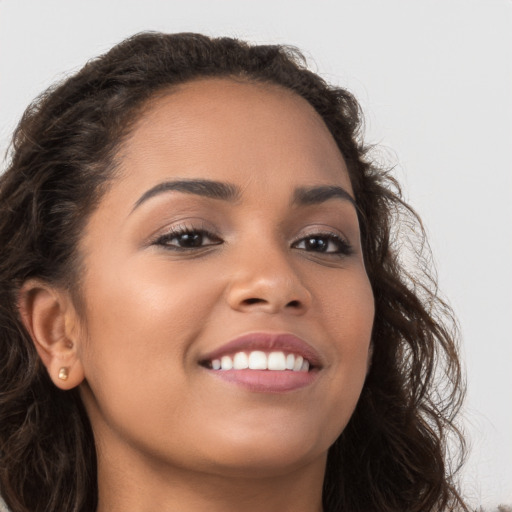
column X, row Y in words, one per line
column 264, row 278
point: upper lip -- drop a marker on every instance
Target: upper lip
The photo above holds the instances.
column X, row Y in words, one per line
column 266, row 342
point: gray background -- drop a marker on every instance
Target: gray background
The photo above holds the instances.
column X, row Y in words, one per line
column 435, row 81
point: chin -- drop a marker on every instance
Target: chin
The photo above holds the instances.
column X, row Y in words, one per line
column 280, row 463
column 268, row 454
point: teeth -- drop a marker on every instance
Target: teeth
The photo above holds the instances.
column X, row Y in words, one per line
column 259, row 360
column 241, row 361
column 226, row 363
column 297, row 365
column 276, row 361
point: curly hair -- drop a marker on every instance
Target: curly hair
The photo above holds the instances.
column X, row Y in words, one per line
column 392, row 456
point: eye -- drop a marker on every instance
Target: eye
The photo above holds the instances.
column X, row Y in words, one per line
column 326, row 243
column 183, row 238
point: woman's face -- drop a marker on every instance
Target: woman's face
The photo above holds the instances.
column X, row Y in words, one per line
column 230, row 238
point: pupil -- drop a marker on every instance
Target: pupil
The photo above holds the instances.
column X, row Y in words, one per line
column 191, row 240
column 316, row 244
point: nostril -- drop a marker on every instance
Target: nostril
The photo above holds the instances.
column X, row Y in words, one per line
column 255, row 300
column 249, row 302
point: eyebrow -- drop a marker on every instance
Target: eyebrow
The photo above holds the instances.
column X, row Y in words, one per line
column 303, row 196
column 306, row 196
column 205, row 188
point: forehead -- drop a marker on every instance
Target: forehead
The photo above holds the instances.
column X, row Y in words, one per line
column 231, row 130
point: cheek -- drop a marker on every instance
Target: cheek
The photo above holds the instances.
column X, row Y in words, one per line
column 141, row 321
column 346, row 304
column 141, row 324
column 348, row 310
column 139, row 300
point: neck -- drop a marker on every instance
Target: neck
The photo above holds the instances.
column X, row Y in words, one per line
column 146, row 487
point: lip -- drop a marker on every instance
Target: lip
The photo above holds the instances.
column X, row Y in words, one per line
column 266, row 381
column 266, row 342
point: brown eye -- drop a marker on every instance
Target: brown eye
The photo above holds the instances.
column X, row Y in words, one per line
column 316, row 244
column 324, row 243
column 185, row 239
column 190, row 240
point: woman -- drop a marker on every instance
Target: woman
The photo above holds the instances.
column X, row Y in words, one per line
column 203, row 307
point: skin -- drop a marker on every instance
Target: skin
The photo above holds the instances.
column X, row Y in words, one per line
column 170, row 435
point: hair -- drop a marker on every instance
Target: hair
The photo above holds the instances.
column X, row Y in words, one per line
column 393, row 454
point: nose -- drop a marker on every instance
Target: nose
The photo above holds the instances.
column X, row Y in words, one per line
column 267, row 282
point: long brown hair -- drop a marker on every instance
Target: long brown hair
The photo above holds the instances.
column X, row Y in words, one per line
column 392, row 456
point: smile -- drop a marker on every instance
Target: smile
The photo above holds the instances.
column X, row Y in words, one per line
column 259, row 360
column 265, row 362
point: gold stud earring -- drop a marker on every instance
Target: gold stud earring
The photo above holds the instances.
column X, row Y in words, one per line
column 63, row 373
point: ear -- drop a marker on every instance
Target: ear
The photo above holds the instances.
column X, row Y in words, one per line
column 51, row 320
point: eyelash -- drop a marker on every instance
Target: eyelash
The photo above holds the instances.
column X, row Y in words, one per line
column 343, row 247
column 182, row 231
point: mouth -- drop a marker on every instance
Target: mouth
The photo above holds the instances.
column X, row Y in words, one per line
column 259, row 360
column 264, row 362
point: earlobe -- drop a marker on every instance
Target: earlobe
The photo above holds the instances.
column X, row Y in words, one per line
column 48, row 315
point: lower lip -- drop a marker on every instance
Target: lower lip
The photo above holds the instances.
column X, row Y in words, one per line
column 267, row 381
